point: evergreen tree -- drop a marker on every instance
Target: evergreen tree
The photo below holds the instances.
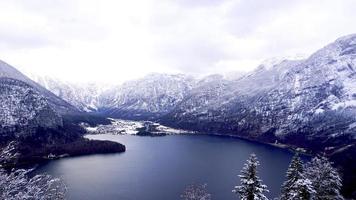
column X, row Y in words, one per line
column 325, row 179
column 293, row 175
column 302, row 189
column 251, row 187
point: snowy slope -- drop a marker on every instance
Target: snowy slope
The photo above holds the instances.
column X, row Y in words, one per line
column 85, row 97
column 289, row 100
column 23, row 109
column 150, row 96
column 58, row 104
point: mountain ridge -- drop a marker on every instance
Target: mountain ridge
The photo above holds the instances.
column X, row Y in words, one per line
column 58, row 104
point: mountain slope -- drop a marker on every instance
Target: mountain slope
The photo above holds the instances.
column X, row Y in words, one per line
column 149, row 97
column 35, row 123
column 297, row 102
column 55, row 102
column 23, row 110
column 85, row 97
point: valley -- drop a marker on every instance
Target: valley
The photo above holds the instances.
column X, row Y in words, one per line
column 307, row 105
column 129, row 127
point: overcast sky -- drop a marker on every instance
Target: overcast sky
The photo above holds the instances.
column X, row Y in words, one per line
column 114, row 40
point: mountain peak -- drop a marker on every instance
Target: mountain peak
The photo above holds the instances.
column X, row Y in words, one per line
column 275, row 61
column 350, row 37
column 59, row 105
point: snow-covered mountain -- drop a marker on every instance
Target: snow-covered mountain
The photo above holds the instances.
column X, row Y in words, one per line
column 148, row 97
column 85, row 97
column 22, row 105
column 152, row 95
column 34, row 123
column 33, row 113
column 58, row 104
column 27, row 110
column 300, row 102
column 283, row 99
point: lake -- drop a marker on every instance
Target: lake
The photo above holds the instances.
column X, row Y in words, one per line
column 159, row 168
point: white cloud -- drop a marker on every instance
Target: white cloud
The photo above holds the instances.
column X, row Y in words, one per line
column 113, row 41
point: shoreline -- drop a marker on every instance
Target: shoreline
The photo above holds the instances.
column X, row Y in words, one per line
column 290, row 148
column 29, row 155
column 152, row 131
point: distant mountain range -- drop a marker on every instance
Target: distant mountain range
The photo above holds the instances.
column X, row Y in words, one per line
column 293, row 101
column 290, row 101
column 298, row 102
column 308, row 103
column 85, row 97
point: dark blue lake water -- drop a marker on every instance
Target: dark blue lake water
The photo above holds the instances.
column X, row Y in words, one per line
column 159, row 168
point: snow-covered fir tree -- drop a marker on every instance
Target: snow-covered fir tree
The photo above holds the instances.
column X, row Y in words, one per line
column 302, row 189
column 325, row 179
column 251, row 187
column 294, row 174
column 196, row 192
column 296, row 186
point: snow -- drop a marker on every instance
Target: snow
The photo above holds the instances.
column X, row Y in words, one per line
column 169, row 130
column 91, row 129
column 319, row 111
column 272, row 62
column 58, row 104
column 297, row 84
column 84, row 96
column 20, row 184
column 9, row 152
column 117, row 126
column 345, row 104
column 353, row 125
column 129, row 127
column 155, row 93
column 251, row 184
column 20, row 103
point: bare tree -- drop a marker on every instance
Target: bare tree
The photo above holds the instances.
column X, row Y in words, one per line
column 18, row 185
column 196, row 192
